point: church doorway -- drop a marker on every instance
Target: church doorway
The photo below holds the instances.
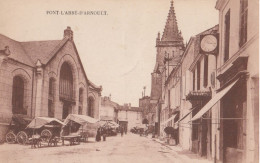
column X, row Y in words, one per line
column 67, row 109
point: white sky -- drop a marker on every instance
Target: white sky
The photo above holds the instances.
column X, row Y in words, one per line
column 117, row 50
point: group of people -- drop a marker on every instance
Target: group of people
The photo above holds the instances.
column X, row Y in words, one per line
column 122, row 130
column 101, row 132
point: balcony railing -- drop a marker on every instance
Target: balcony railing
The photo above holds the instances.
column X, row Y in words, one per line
column 67, row 97
column 198, row 95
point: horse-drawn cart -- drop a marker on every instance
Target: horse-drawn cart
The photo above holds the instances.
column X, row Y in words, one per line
column 16, row 129
column 78, row 127
column 44, row 129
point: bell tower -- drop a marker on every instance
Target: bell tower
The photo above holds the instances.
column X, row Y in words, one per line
column 171, row 41
column 169, row 48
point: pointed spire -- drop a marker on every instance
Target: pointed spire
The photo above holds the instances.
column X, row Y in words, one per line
column 171, row 31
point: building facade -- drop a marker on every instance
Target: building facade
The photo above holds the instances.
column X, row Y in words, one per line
column 44, row 78
column 129, row 117
column 108, row 109
column 238, row 69
column 202, row 69
column 149, row 110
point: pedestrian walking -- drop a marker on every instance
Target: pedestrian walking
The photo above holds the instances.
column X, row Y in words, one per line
column 104, row 134
column 122, row 131
column 98, row 136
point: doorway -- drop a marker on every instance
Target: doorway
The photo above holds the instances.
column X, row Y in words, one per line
column 67, row 109
column 233, row 125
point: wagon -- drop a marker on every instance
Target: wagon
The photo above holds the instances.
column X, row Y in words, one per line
column 78, row 127
column 16, row 129
column 47, row 128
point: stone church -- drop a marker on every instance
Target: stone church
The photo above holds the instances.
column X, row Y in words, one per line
column 169, row 48
column 44, row 78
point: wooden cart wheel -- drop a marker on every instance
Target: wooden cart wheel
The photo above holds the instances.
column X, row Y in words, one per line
column 22, row 137
column 46, row 135
column 10, row 137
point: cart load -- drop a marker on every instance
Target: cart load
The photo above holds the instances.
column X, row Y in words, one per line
column 79, row 126
column 112, row 124
column 109, row 127
column 47, row 128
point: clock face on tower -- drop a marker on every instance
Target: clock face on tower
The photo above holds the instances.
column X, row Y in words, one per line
column 208, row 43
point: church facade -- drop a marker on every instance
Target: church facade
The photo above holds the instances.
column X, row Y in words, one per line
column 44, row 78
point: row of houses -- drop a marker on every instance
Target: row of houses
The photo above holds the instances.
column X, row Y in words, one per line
column 208, row 89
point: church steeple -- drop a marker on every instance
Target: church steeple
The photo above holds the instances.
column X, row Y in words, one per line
column 171, row 31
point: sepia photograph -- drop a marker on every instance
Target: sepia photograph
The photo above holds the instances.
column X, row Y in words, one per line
column 129, row 81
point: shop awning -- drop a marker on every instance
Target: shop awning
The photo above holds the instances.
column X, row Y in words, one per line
column 168, row 120
column 213, row 101
column 39, row 122
column 81, row 119
column 186, row 115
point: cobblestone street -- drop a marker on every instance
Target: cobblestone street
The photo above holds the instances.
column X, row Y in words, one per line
column 129, row 148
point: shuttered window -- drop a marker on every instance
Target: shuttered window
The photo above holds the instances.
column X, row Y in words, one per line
column 243, row 22
column 227, row 36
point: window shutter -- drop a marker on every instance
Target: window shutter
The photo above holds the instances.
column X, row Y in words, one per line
column 187, row 82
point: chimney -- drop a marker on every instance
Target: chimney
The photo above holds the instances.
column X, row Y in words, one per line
column 68, row 33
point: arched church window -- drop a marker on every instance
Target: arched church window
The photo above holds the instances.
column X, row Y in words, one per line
column 66, row 82
column 91, row 107
column 18, row 96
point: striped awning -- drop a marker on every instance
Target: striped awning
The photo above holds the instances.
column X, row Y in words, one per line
column 213, row 101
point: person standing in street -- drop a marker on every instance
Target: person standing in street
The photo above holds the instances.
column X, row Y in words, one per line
column 104, row 134
column 122, row 131
column 98, row 136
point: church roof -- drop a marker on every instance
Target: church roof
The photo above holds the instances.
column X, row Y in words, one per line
column 18, row 52
column 29, row 52
column 42, row 50
column 171, row 31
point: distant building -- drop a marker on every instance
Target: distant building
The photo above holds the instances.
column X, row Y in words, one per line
column 149, row 110
column 129, row 117
column 44, row 78
column 108, row 109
